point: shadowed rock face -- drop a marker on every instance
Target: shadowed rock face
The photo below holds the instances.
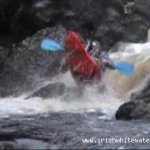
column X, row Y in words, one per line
column 51, row 90
column 138, row 107
column 28, row 62
column 103, row 20
column 24, row 17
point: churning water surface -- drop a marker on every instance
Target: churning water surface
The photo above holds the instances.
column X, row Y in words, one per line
column 118, row 90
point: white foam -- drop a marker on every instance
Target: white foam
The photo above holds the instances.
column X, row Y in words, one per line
column 91, row 100
column 137, row 54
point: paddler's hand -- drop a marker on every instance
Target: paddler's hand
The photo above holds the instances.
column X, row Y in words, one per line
column 64, row 66
column 107, row 64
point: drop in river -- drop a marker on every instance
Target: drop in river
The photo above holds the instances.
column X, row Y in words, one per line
column 82, row 121
column 118, row 89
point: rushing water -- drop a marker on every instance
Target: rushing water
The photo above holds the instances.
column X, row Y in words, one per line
column 90, row 101
column 118, row 90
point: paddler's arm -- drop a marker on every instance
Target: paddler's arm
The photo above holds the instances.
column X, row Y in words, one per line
column 64, row 65
column 107, row 64
column 103, row 63
column 66, row 62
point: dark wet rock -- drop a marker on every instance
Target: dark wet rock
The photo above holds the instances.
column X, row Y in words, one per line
column 142, row 8
column 110, row 33
column 31, row 60
column 28, row 62
column 138, row 107
column 4, row 52
column 105, row 21
column 87, row 17
column 25, row 17
column 5, row 15
column 108, row 22
column 51, row 90
column 124, row 111
column 70, row 131
column 29, row 17
column 144, row 93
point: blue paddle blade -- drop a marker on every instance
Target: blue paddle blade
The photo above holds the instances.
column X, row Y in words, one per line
column 51, row 45
column 124, row 68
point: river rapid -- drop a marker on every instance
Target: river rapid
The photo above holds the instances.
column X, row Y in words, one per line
column 81, row 117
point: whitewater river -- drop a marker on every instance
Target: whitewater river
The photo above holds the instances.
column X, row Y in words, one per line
column 92, row 113
column 118, row 90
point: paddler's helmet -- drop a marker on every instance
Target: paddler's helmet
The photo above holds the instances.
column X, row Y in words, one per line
column 95, row 48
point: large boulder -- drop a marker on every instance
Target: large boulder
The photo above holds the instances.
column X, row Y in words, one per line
column 24, row 17
column 28, row 62
column 50, row 90
column 138, row 107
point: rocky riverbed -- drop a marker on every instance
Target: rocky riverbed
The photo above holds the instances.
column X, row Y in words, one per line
column 42, row 108
column 72, row 131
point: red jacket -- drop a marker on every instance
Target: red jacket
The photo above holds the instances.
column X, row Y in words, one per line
column 77, row 60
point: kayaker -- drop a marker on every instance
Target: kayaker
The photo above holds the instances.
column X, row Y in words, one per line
column 82, row 67
column 101, row 57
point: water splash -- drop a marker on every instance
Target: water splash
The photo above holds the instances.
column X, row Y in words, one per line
column 91, row 100
column 139, row 56
column 118, row 88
